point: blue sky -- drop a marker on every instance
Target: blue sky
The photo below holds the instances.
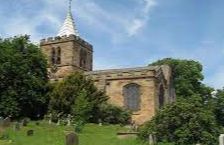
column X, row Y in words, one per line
column 130, row 33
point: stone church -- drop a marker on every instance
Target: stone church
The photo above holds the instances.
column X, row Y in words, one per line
column 143, row 90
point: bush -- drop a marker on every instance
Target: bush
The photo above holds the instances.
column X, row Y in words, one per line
column 183, row 123
column 114, row 115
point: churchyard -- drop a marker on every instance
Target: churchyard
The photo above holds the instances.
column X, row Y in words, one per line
column 43, row 133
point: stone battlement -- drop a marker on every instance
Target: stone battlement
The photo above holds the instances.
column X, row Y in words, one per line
column 59, row 39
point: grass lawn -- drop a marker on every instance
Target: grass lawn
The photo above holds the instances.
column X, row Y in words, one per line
column 45, row 134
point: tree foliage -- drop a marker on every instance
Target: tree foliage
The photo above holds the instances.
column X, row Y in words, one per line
column 183, row 123
column 23, row 76
column 219, row 106
column 77, row 96
column 187, row 75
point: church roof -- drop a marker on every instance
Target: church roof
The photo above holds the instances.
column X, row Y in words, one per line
column 69, row 27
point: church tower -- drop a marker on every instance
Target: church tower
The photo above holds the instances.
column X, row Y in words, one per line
column 67, row 52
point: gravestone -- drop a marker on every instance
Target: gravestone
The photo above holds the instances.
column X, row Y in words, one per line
column 30, row 132
column 6, row 122
column 100, row 122
column 152, row 139
column 72, row 139
column 25, row 122
column 69, row 118
column 50, row 118
column 1, row 121
column 17, row 126
column 221, row 139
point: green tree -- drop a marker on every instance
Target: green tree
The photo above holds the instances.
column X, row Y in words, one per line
column 183, row 123
column 187, row 78
column 77, row 96
column 219, row 106
column 23, row 76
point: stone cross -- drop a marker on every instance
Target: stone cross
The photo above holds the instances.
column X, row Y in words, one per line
column 221, row 139
column 72, row 139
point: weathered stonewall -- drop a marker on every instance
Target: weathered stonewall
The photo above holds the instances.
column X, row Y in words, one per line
column 72, row 139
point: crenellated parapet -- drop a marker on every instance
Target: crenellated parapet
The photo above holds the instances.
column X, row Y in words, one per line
column 63, row 39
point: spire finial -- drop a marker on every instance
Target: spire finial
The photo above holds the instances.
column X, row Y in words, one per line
column 69, row 5
column 69, row 27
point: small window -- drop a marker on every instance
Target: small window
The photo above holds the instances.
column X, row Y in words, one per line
column 53, row 56
column 59, row 55
column 161, row 96
column 132, row 97
column 83, row 58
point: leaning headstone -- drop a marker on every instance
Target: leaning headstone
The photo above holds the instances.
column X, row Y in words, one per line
column 72, row 139
column 221, row 139
column 30, row 132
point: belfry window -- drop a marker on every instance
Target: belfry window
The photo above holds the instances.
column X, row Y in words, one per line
column 132, row 99
column 56, row 55
column 53, row 56
column 59, row 55
column 83, row 58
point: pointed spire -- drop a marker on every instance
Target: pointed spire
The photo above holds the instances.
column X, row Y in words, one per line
column 69, row 26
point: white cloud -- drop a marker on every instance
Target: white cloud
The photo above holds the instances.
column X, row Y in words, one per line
column 135, row 26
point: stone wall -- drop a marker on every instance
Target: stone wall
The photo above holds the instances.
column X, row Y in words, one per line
column 149, row 79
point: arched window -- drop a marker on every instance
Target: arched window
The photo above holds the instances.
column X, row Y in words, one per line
column 132, row 97
column 59, row 55
column 53, row 56
column 83, row 58
column 161, row 96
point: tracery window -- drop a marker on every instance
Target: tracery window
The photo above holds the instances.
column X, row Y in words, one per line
column 132, row 99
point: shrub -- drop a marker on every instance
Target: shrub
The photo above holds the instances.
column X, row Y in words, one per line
column 114, row 115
